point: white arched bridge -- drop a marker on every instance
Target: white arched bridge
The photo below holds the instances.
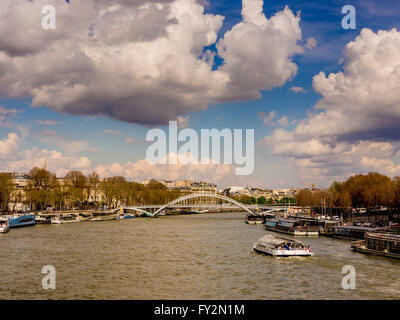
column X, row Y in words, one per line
column 197, row 201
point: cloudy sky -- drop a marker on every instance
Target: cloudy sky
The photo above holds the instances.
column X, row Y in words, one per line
column 324, row 101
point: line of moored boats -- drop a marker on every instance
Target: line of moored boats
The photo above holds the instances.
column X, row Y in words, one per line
column 23, row 220
column 383, row 240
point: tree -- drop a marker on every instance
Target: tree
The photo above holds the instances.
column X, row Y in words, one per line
column 75, row 183
column 93, row 187
column 38, row 189
column 6, row 189
column 262, row 200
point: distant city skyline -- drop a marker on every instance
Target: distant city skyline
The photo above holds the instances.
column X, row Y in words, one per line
column 323, row 101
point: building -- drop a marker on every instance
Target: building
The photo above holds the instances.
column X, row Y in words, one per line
column 190, row 186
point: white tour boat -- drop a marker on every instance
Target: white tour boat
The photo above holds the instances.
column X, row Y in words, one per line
column 4, row 225
column 281, row 247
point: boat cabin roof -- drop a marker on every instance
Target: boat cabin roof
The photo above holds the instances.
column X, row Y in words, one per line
column 383, row 236
column 277, row 241
column 361, row 228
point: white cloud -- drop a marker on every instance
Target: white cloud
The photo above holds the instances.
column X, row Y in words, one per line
column 183, row 122
column 112, row 131
column 9, row 144
column 15, row 159
column 141, row 61
column 70, row 147
column 298, row 89
column 142, row 170
column 267, row 118
column 5, row 114
column 130, row 140
column 311, row 43
column 47, row 122
column 283, row 121
column 360, row 108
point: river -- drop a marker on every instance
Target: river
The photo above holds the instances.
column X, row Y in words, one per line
column 206, row 256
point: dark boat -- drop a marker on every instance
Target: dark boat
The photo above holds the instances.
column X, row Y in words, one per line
column 296, row 227
column 350, row 232
column 254, row 219
column 103, row 216
column 382, row 244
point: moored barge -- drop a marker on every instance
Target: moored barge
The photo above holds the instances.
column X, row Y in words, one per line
column 254, row 219
column 350, row 232
column 65, row 218
column 295, row 227
column 379, row 244
column 103, row 216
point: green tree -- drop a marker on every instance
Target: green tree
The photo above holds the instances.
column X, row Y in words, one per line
column 75, row 184
column 38, row 189
column 6, row 190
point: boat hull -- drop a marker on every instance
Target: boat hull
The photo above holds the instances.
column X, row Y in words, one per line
column 4, row 229
column 22, row 221
column 254, row 222
column 283, row 253
column 363, row 249
column 64, row 221
column 107, row 218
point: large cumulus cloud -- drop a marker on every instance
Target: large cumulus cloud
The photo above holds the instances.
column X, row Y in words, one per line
column 355, row 123
column 141, row 61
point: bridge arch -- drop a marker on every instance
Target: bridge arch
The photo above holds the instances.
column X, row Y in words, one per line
column 137, row 209
column 199, row 195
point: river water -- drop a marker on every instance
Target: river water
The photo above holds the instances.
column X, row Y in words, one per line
column 206, row 256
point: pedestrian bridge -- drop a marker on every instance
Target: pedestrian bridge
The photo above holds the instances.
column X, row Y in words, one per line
column 195, row 200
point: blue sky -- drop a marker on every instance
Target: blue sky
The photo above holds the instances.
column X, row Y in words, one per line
column 105, row 138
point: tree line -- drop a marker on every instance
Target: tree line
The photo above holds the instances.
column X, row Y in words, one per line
column 78, row 191
column 358, row 191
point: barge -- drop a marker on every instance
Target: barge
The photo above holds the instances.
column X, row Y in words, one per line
column 65, row 218
column 295, row 227
column 376, row 243
column 254, row 219
column 350, row 232
column 44, row 218
column 103, row 216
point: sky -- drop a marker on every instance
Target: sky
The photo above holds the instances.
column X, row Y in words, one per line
column 324, row 101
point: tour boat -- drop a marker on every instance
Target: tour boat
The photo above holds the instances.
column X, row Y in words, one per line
column 281, row 247
column 379, row 244
column 65, row 218
column 4, row 225
column 254, row 219
column 295, row 227
column 22, row 220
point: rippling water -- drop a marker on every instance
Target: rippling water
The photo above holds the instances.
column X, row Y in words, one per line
column 206, row 256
